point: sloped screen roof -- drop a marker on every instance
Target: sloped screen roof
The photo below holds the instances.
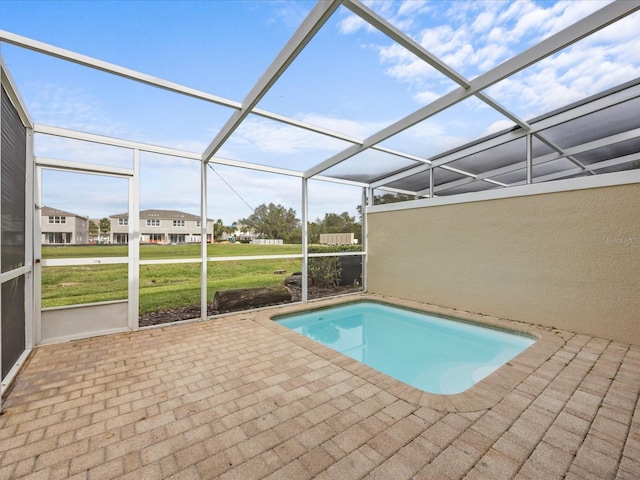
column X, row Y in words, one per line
column 365, row 93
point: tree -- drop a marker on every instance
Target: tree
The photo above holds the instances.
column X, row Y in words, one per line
column 105, row 225
column 387, row 198
column 218, row 229
column 274, row 221
column 93, row 229
column 333, row 223
column 313, row 231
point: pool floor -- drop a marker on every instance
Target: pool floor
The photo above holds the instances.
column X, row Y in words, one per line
column 431, row 353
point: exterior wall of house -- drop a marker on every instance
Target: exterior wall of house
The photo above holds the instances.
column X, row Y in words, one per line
column 569, row 260
column 81, row 230
column 74, row 230
column 161, row 230
column 118, row 233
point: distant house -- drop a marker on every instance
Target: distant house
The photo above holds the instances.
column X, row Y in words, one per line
column 243, row 233
column 160, row 226
column 60, row 227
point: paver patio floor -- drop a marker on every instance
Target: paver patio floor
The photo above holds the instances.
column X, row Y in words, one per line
column 240, row 397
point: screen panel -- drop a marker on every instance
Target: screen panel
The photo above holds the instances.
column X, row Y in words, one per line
column 12, row 207
column 13, row 315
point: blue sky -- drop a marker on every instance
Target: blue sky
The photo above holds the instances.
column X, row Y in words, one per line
column 350, row 78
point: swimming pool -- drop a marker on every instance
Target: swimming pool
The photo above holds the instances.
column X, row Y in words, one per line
column 431, row 353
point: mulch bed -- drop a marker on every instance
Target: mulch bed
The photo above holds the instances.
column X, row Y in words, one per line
column 193, row 311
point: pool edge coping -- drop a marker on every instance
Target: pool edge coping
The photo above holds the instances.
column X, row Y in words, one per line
column 481, row 396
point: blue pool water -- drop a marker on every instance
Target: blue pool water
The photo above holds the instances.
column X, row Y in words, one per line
column 434, row 354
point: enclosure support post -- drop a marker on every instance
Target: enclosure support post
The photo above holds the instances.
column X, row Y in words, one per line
column 134, row 243
column 203, row 241
column 529, row 138
column 431, row 183
column 367, row 193
column 305, row 244
column 1, row 389
column 29, row 244
column 36, row 205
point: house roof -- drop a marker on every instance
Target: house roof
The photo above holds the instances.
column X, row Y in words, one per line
column 46, row 211
column 162, row 215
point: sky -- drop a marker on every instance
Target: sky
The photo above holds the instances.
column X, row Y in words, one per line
column 350, row 78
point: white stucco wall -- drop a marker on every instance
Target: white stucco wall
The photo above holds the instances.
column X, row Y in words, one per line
column 566, row 259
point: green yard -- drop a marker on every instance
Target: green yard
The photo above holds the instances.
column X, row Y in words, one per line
column 161, row 286
column 150, row 252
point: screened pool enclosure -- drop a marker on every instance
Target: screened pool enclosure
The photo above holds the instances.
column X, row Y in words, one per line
column 426, row 153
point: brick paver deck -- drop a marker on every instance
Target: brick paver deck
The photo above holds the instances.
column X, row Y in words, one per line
column 240, row 397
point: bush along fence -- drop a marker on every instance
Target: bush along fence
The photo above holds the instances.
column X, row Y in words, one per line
column 335, row 271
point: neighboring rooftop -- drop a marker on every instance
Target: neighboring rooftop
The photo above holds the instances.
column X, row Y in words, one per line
column 156, row 213
column 50, row 211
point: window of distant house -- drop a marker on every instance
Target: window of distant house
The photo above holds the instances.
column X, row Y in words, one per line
column 123, row 222
column 178, row 223
column 57, row 219
column 198, row 223
column 153, row 222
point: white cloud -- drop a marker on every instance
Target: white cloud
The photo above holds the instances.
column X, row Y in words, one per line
column 351, row 24
column 427, row 97
column 54, row 105
column 273, row 137
column 566, row 13
column 498, row 126
column 584, row 69
column 473, row 37
column 431, row 137
column 79, row 151
column 413, row 7
column 290, row 13
column 404, row 65
column 356, row 129
column 483, row 22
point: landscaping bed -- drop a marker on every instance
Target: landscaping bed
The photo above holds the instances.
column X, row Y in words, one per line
column 193, row 311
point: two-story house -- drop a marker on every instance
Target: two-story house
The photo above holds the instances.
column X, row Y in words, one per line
column 60, row 227
column 161, row 226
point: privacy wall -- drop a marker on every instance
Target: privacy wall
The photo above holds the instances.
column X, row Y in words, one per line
column 568, row 259
column 12, row 233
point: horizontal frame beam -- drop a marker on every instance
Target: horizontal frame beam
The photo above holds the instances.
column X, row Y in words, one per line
column 114, row 142
column 66, row 165
column 87, row 61
column 65, row 262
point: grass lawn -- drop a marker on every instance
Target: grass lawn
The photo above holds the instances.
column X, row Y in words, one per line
column 151, row 252
column 161, row 286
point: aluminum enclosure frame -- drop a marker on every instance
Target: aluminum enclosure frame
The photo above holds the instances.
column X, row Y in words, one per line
column 321, row 12
column 27, row 270
column 239, row 111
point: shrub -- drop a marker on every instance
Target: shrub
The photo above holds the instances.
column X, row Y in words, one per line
column 327, row 271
